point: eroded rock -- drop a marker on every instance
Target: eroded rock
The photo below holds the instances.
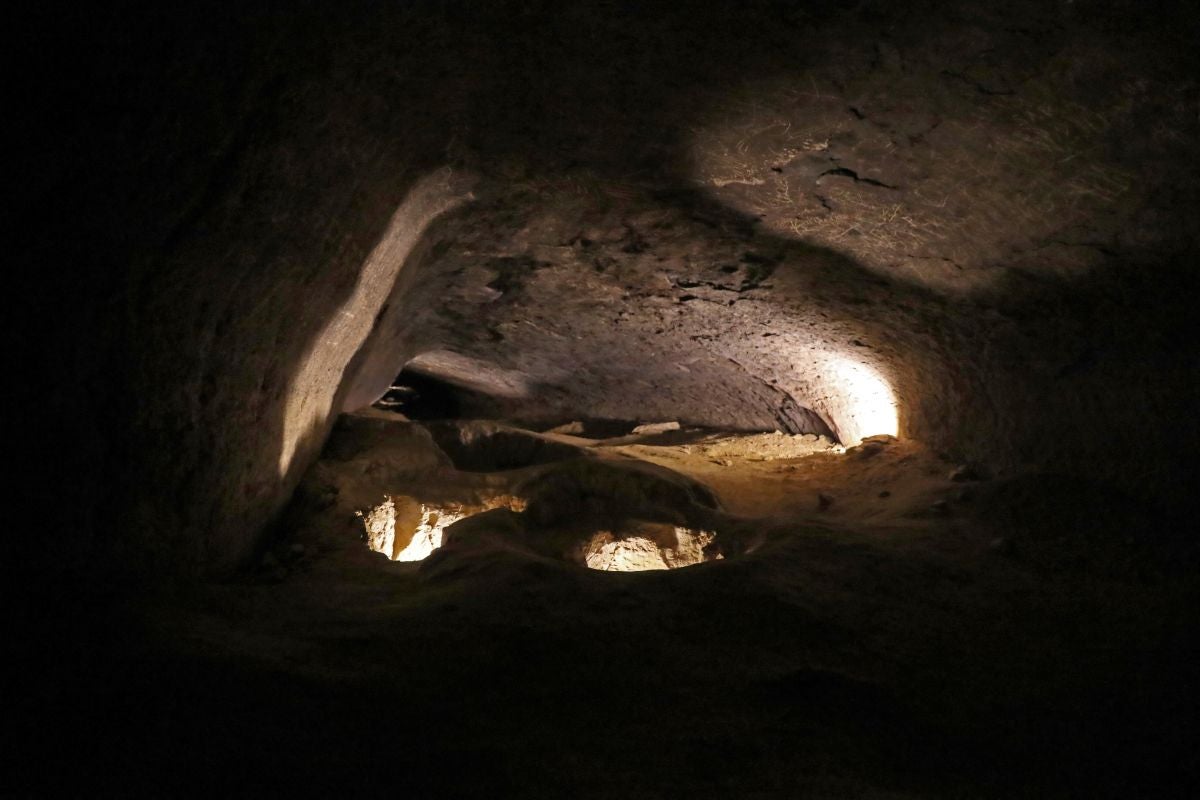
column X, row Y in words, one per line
column 648, row 546
column 406, row 529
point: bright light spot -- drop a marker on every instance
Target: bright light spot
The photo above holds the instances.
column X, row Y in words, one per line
column 405, row 529
column 428, row 535
column 634, row 554
column 864, row 404
column 380, row 524
column 682, row 547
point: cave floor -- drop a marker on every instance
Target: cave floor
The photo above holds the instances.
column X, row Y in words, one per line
column 874, row 629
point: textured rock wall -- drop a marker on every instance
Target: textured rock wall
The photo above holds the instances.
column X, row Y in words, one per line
column 312, row 392
column 981, row 212
column 227, row 192
column 988, row 208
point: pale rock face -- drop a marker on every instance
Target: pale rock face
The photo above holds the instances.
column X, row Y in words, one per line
column 428, row 535
column 658, row 547
column 689, row 548
column 624, row 555
column 380, row 525
column 406, row 529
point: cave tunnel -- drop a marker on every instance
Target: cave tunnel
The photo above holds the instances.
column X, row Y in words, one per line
column 452, row 399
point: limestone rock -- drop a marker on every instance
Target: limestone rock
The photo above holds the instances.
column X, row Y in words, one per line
column 648, row 546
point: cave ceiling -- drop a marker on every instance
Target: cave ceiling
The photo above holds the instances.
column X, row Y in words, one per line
column 735, row 240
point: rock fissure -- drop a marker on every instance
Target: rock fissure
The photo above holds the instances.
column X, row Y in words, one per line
column 844, row 172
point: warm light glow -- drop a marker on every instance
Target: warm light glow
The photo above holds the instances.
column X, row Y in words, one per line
column 634, row 554
column 865, row 405
column 428, row 535
column 405, row 529
column 380, row 524
column 681, row 548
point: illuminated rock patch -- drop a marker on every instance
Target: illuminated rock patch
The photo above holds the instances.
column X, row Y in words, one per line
column 405, row 529
column 653, row 547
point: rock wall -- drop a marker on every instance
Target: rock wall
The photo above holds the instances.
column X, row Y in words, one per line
column 984, row 212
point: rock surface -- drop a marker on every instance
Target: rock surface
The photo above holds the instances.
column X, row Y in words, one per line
column 964, row 223
column 927, row 234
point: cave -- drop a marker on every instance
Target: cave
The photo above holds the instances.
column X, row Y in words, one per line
column 451, row 399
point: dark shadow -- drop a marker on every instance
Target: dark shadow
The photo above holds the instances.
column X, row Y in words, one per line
column 418, row 395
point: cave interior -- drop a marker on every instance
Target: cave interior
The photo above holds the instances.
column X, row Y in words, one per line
column 455, row 399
